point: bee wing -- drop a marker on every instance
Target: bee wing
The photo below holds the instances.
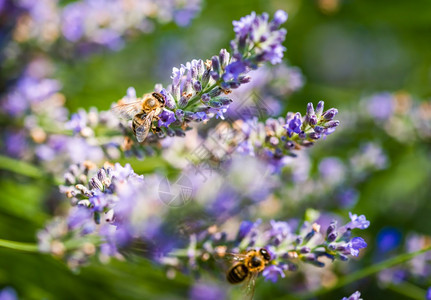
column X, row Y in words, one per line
column 128, row 110
column 250, row 286
column 234, row 257
column 143, row 130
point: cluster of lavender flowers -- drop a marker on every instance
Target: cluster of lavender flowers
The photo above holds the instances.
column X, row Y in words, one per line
column 199, row 89
column 275, row 140
column 95, row 22
column 39, row 125
column 288, row 247
column 111, row 207
column 197, row 93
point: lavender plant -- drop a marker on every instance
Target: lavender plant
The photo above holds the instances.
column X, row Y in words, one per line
column 276, row 139
column 286, row 246
column 197, row 93
column 113, row 212
column 199, row 89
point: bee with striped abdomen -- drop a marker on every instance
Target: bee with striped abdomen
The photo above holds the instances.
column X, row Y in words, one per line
column 246, row 267
column 143, row 112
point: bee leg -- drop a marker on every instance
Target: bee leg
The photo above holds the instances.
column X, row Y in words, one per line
column 155, row 129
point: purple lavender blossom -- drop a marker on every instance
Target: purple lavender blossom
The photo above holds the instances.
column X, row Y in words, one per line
column 234, row 70
column 167, row 117
column 428, row 294
column 354, row 245
column 357, row 222
column 355, row 296
column 294, row 124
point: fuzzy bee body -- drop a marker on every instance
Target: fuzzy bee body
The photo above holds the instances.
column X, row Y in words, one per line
column 247, row 267
column 142, row 112
column 238, row 273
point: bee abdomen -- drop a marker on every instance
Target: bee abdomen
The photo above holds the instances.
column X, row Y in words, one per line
column 237, row 273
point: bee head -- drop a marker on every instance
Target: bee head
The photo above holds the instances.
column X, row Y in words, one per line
column 265, row 254
column 255, row 262
column 159, row 98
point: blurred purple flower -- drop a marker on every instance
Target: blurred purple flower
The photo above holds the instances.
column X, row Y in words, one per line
column 355, row 296
column 28, row 90
column 332, row 169
column 81, row 217
column 8, row 293
column 279, row 230
column 233, row 70
column 348, row 197
column 78, row 121
column 15, row 143
column 206, row 291
column 73, row 23
column 388, row 239
column 381, row 106
column 273, row 272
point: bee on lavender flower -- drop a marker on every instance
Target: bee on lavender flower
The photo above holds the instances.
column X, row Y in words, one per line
column 142, row 112
column 246, row 267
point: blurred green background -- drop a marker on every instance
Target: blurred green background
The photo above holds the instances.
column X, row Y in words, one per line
column 346, row 50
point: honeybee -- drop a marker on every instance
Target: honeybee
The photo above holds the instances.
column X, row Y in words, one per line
column 246, row 267
column 143, row 112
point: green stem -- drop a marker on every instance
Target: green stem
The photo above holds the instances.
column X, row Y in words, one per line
column 26, row 169
column 197, row 97
column 409, row 290
column 365, row 273
column 20, row 167
column 69, row 245
column 19, row 246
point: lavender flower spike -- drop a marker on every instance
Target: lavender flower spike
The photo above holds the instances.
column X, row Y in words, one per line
column 199, row 88
column 287, row 248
